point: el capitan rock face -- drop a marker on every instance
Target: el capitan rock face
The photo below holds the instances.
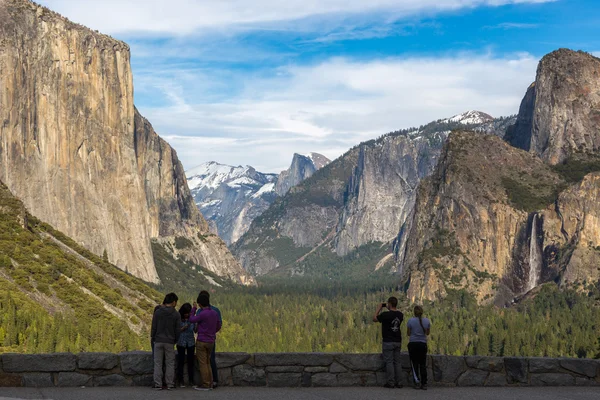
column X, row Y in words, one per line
column 74, row 149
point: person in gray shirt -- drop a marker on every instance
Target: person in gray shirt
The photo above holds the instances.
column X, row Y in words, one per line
column 418, row 328
column 165, row 333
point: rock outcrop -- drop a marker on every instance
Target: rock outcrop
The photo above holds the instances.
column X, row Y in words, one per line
column 76, row 152
column 497, row 221
column 302, row 167
column 471, row 218
column 560, row 114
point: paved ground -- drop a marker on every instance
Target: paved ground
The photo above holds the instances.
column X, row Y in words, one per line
column 539, row 393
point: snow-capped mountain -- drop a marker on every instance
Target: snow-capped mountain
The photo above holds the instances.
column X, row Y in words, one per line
column 230, row 198
column 470, row 118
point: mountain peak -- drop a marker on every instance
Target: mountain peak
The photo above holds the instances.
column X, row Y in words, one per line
column 470, row 118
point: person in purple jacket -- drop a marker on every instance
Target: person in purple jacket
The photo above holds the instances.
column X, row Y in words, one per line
column 208, row 326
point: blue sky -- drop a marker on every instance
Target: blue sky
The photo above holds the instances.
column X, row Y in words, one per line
column 252, row 82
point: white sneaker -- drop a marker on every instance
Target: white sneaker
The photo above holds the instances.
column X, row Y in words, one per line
column 203, row 389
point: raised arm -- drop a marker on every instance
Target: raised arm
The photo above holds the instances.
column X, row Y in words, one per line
column 375, row 319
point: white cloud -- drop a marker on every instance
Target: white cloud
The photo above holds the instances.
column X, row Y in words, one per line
column 187, row 16
column 330, row 106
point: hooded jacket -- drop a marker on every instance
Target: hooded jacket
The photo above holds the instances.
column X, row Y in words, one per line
column 165, row 325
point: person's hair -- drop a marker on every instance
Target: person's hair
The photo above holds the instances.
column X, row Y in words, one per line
column 186, row 308
column 204, row 292
column 203, row 300
column 419, row 314
column 170, row 298
column 393, row 301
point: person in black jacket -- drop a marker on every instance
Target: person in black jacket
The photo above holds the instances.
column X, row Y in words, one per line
column 165, row 333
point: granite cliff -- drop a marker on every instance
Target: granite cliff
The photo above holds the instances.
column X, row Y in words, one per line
column 75, row 150
column 497, row 220
column 360, row 199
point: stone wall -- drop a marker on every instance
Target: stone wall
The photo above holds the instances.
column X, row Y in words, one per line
column 296, row 369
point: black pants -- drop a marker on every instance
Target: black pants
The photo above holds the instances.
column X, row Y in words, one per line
column 418, row 360
column 213, row 365
column 181, row 358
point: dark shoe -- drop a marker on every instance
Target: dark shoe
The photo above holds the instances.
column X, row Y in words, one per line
column 399, row 386
column 389, row 386
column 423, row 387
column 215, row 384
column 417, row 386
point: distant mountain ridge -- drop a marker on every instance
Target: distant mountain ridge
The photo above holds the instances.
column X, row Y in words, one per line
column 231, row 197
column 361, row 198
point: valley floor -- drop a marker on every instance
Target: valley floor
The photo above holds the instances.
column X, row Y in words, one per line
column 435, row 393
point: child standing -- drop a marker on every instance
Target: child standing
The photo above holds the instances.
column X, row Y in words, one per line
column 185, row 345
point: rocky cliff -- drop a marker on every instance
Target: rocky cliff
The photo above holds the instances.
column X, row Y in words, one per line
column 560, row 114
column 499, row 221
column 75, row 150
column 303, row 167
column 361, row 198
column 472, row 219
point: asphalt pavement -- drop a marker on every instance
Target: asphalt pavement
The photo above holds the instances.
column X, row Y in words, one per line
column 348, row 393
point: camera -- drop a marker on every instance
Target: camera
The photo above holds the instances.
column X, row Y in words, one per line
column 383, row 304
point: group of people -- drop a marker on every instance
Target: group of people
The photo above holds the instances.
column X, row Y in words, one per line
column 172, row 327
column 417, row 329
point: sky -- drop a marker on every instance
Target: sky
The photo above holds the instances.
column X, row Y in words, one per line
column 251, row 82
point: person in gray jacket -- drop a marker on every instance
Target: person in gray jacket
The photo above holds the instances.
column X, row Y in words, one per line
column 165, row 333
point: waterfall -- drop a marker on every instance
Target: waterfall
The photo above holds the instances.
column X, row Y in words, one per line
column 535, row 256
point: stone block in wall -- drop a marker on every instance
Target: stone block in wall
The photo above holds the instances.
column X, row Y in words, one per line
column 495, row 364
column 225, row 378
column 588, row 368
column 10, row 380
column 288, row 368
column 472, row 377
column 447, row 369
column 111, row 380
column 38, row 379
column 247, row 375
column 56, row 362
column 284, row 379
column 336, row 367
column 306, row 379
column 226, row 360
column 516, row 369
column 361, row 362
column 405, row 360
column 580, row 381
column 324, row 380
column 552, row 379
column 304, row 359
column 73, row 379
column 143, row 380
column 543, row 364
column 314, row 370
column 97, row 360
column 136, row 363
column 496, row 379
column 357, row 379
